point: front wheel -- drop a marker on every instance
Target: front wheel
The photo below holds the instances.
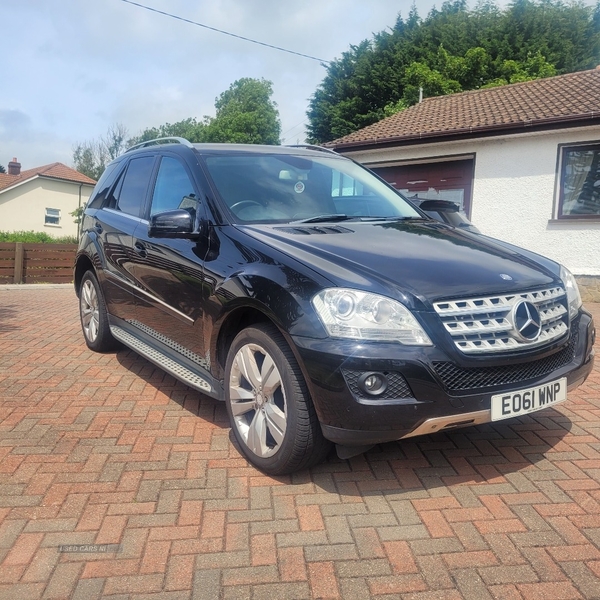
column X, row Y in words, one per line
column 94, row 317
column 271, row 413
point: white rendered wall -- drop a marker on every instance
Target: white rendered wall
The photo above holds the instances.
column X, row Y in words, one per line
column 23, row 208
column 515, row 191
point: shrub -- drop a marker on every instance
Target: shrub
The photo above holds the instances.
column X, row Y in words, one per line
column 35, row 237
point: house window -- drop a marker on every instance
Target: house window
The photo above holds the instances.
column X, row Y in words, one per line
column 52, row 216
column 580, row 183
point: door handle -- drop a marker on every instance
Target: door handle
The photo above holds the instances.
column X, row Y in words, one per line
column 139, row 248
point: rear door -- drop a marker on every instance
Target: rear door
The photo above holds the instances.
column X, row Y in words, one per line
column 114, row 225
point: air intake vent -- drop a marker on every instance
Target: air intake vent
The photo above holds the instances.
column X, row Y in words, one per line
column 321, row 230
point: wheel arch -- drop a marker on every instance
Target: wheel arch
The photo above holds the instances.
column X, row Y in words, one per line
column 237, row 320
column 83, row 264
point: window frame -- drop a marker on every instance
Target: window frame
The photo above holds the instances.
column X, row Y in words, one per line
column 46, row 216
column 562, row 157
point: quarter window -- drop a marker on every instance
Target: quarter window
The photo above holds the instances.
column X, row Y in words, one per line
column 580, row 183
column 52, row 216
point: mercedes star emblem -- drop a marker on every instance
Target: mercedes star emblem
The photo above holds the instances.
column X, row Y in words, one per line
column 526, row 320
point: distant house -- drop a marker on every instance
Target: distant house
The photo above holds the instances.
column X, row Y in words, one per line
column 41, row 199
column 522, row 160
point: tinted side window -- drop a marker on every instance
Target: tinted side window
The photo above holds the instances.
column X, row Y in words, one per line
column 132, row 194
column 173, row 187
column 104, row 184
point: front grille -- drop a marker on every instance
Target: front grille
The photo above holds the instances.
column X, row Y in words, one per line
column 471, row 378
column 397, row 386
column 484, row 325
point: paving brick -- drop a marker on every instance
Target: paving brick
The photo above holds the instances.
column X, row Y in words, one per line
column 63, row 581
column 111, row 568
column 250, row 575
column 106, row 448
column 155, row 557
column 400, row 556
column 133, row 584
column 435, row 572
column 263, row 549
column 396, row 584
column 471, row 586
column 23, row 549
column 179, row 573
column 543, row 591
column 322, row 580
column 368, row 543
column 586, row 581
column 291, row 564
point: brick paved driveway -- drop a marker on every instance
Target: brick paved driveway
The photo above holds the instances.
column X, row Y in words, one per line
column 106, row 449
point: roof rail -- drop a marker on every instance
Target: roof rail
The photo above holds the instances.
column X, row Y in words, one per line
column 312, row 147
column 162, row 140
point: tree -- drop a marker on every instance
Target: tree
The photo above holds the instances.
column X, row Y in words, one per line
column 2, row 169
column 451, row 50
column 245, row 114
column 92, row 156
column 190, row 129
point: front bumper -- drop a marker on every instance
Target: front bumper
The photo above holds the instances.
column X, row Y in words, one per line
column 431, row 388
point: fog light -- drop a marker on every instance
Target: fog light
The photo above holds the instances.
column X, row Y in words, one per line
column 373, row 384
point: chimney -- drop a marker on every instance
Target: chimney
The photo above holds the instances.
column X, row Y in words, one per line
column 14, row 167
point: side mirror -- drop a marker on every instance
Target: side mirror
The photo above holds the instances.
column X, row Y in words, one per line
column 172, row 224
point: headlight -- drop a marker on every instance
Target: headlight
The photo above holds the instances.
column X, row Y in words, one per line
column 573, row 296
column 363, row 316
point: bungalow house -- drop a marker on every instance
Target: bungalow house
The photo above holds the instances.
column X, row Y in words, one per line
column 522, row 160
column 42, row 199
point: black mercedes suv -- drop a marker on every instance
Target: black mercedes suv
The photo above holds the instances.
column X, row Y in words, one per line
column 317, row 302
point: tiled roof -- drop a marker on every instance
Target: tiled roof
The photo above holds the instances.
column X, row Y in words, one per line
column 54, row 171
column 519, row 106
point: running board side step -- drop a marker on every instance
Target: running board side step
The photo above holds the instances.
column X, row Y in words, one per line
column 160, row 360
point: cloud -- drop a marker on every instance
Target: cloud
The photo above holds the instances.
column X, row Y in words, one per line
column 72, row 68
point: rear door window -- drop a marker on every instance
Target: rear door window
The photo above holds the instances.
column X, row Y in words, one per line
column 131, row 193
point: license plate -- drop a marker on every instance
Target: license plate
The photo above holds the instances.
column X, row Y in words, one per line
column 522, row 402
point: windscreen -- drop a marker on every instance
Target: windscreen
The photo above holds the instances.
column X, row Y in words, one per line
column 286, row 188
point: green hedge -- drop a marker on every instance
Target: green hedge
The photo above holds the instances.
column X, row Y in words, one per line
column 35, row 237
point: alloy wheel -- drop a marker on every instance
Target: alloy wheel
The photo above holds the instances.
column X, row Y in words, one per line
column 258, row 402
column 90, row 316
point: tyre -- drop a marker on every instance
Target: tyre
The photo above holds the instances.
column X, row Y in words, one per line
column 93, row 315
column 271, row 413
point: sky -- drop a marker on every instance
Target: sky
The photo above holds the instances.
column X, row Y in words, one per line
column 72, row 68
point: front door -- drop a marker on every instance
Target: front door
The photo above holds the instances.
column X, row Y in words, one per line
column 168, row 272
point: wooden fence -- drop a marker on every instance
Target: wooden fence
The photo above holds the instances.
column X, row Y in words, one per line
column 36, row 263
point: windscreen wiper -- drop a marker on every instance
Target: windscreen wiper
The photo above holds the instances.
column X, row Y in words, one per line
column 330, row 218
column 416, row 218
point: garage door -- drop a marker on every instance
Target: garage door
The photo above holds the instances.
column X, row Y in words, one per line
column 452, row 180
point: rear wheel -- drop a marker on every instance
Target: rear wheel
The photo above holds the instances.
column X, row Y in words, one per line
column 269, row 407
column 94, row 317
